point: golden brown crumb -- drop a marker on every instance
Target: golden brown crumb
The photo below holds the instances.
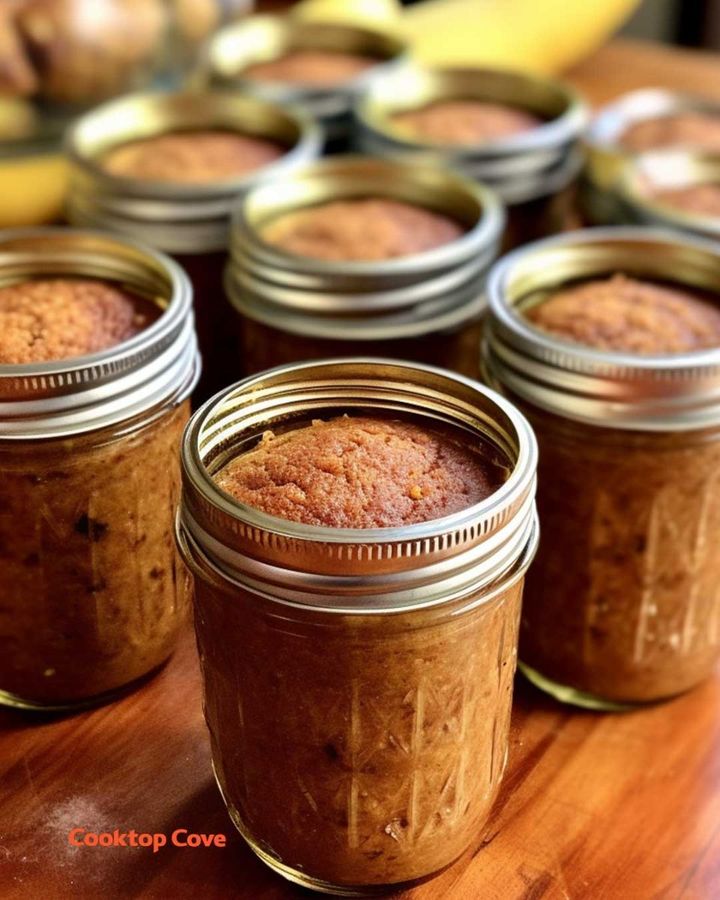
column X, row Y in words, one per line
column 361, row 473
column 700, row 199
column 371, row 229
column 314, row 67
column 60, row 318
column 192, row 157
column 465, row 121
column 630, row 315
column 690, row 129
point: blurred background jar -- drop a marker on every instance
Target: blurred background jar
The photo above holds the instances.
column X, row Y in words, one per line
column 318, row 66
column 516, row 133
column 60, row 57
column 634, row 124
column 393, row 265
column 622, row 605
column 167, row 169
column 673, row 189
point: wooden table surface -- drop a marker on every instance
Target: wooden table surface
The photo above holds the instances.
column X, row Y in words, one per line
column 623, row 807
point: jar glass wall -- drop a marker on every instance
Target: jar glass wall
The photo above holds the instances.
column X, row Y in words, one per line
column 632, row 613
column 379, row 765
column 262, row 346
column 93, row 591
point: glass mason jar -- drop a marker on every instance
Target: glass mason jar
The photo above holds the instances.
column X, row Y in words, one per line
column 262, row 39
column 189, row 221
column 622, row 605
column 93, row 592
column 607, row 157
column 644, row 180
column 357, row 682
column 425, row 307
column 533, row 172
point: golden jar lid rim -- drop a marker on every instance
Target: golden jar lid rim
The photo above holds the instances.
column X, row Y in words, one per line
column 517, row 166
column 399, row 297
column 357, row 177
column 276, row 35
column 611, row 120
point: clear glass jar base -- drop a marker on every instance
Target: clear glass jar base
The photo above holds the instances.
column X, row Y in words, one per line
column 302, row 878
column 13, row 701
column 572, row 696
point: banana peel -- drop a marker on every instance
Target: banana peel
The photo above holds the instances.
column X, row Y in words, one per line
column 542, row 36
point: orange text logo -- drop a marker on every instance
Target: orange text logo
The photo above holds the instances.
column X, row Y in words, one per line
column 181, row 837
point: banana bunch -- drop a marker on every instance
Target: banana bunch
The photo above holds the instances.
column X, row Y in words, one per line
column 543, row 36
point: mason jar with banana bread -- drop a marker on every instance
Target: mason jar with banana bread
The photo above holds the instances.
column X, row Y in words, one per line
column 516, row 133
column 361, row 256
column 168, row 168
column 609, row 340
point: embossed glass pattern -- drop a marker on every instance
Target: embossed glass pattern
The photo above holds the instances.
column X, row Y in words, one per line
column 358, row 749
column 623, row 604
column 93, row 594
column 623, row 601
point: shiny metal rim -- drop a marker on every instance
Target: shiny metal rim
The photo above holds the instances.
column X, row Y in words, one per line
column 178, row 218
column 514, row 181
column 438, row 316
column 357, row 176
column 669, row 169
column 608, row 124
column 361, row 568
column 361, row 304
column 66, row 397
column 651, row 393
column 605, row 155
column 269, row 37
column 414, row 86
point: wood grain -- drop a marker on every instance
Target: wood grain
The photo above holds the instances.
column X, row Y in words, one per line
column 593, row 807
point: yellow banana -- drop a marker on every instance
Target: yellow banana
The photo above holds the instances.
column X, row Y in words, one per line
column 544, row 36
column 383, row 14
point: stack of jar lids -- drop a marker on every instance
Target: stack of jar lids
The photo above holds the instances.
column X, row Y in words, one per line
column 522, row 167
column 262, row 39
column 607, row 154
column 673, row 189
column 403, row 297
column 177, row 218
